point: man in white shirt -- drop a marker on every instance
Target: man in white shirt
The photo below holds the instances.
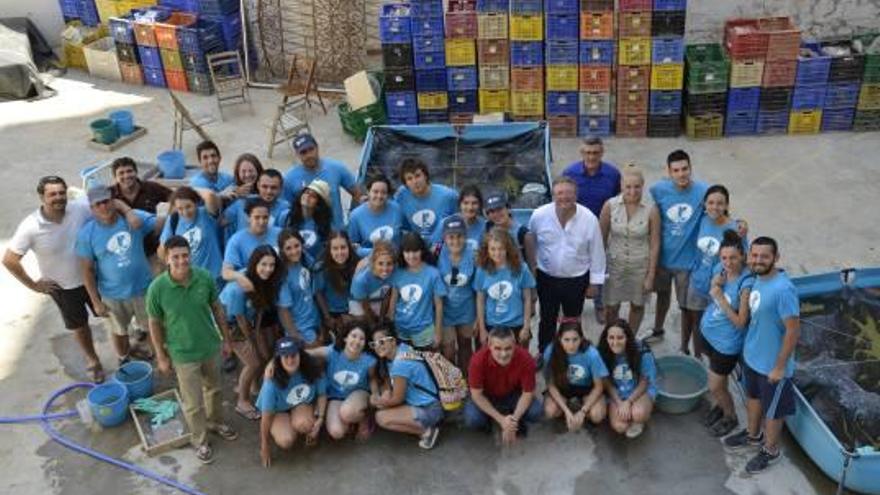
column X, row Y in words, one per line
column 571, row 257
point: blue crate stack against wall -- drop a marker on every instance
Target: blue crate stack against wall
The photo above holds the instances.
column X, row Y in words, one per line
column 396, row 36
column 561, row 53
column 667, row 73
column 596, row 60
column 462, row 74
column 811, row 79
column 429, row 58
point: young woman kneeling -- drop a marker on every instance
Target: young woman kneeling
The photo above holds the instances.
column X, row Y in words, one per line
column 632, row 385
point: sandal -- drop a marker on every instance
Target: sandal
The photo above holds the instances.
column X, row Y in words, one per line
column 96, row 373
column 205, row 453
column 225, row 432
column 249, row 414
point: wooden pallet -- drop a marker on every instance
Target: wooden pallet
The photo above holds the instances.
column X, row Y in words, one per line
column 122, row 141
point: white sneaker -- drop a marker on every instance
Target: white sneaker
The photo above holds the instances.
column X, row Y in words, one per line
column 429, row 438
column 634, row 430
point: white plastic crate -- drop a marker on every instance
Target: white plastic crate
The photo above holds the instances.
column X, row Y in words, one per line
column 101, row 59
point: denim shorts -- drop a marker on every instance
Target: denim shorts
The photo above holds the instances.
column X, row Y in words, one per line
column 429, row 415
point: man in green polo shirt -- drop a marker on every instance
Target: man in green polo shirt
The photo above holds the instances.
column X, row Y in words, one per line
column 183, row 307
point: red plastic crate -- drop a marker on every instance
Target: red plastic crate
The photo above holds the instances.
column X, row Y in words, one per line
column 633, row 102
column 594, row 78
column 144, row 33
column 131, row 73
column 166, row 31
column 634, row 24
column 462, row 5
column 527, row 79
column 631, row 5
column 461, row 118
column 176, row 80
column 597, row 25
column 563, row 125
column 779, row 74
column 634, row 78
column 461, row 25
column 632, row 125
column 493, row 52
column 744, row 39
column 783, row 38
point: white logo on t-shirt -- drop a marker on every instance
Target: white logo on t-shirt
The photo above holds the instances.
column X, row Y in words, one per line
column 119, row 243
column 346, row 378
column 754, row 301
column 500, row 292
column 461, row 280
column 309, row 237
column 708, row 245
column 718, row 312
column 576, row 372
column 194, row 237
column 622, row 373
column 305, row 280
column 383, row 233
column 299, row 394
column 410, row 295
column 424, row 218
column 679, row 213
column 473, row 244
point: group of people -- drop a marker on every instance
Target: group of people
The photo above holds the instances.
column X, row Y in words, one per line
column 334, row 317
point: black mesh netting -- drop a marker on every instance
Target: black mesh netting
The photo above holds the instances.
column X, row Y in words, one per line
column 839, row 363
column 515, row 166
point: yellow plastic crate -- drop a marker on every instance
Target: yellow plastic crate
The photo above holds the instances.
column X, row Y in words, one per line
column 494, row 100
column 492, row 26
column 460, row 52
column 527, row 103
column 869, row 97
column 495, row 76
column 125, row 6
column 74, row 57
column 562, row 77
column 171, row 59
column 108, row 9
column 435, row 100
column 746, row 73
column 527, row 27
column 805, row 122
column 667, row 77
column 635, row 51
column 706, row 126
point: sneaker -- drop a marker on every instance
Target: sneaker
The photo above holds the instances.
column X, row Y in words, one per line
column 743, row 439
column 205, row 454
column 225, row 432
column 724, row 426
column 762, row 460
column 712, row 415
column 634, row 430
column 656, row 334
column 429, row 438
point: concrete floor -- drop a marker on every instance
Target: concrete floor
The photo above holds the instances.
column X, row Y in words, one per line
column 815, row 194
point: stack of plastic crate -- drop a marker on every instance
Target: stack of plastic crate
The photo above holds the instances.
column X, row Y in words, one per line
column 561, row 31
column 867, row 116
column 811, row 86
column 525, row 100
column 395, row 34
column 461, row 61
column 169, row 49
column 226, row 13
column 69, row 9
column 196, row 41
column 634, row 69
column 747, row 48
column 707, row 69
column 122, row 32
column 493, row 50
column 429, row 60
column 845, row 72
column 147, row 46
column 667, row 71
column 87, row 12
column 596, row 61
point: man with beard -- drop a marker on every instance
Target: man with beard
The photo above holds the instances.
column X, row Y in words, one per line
column 211, row 178
column 768, row 353
column 269, row 187
column 144, row 195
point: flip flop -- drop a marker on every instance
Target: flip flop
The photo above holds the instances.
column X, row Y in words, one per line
column 249, row 414
column 96, row 373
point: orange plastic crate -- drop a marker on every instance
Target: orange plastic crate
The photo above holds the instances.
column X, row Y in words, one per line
column 461, row 118
column 176, row 80
column 634, row 24
column 779, row 74
column 493, row 52
column 633, row 102
column 527, row 79
column 632, row 125
column 563, row 126
column 744, row 40
column 461, row 25
column 144, row 33
column 526, row 118
column 597, row 25
column 783, row 38
column 633, row 77
column 166, row 31
column 131, row 73
column 595, row 79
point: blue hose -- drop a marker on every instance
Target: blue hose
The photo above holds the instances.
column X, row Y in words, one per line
column 58, row 437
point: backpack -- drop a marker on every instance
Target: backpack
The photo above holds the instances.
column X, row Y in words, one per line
column 447, row 378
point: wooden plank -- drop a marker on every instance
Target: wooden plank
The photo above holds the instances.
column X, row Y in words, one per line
column 138, row 132
column 174, row 443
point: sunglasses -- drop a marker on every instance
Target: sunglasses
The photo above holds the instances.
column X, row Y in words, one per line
column 380, row 342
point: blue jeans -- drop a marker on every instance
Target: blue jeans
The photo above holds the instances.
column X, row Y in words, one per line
column 475, row 418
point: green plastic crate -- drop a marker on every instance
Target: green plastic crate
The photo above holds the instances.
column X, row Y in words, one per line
column 707, row 68
column 356, row 123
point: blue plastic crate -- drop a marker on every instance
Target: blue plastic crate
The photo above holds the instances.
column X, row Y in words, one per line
column 230, row 28
column 154, row 77
column 813, row 69
column 524, row 6
column 810, row 97
column 430, row 60
column 594, row 126
column 195, row 62
column 554, row 6
column 184, row 5
column 433, row 116
column 773, row 122
column 562, row 103
column 427, row 26
column 122, row 29
column 744, row 99
column 493, row 5
column 561, row 52
column 217, row 7
column 150, row 57
column 596, row 52
column 395, row 23
column 88, row 12
column 461, row 79
column 426, row 8
column 526, row 53
column 665, row 102
column 838, row 119
column 667, row 50
column 202, row 37
column 408, row 120
column 428, row 44
column 69, row 8
column 463, row 101
column 842, row 95
column 431, row 80
column 741, row 123
column 561, row 26
column 670, row 4
column 401, row 105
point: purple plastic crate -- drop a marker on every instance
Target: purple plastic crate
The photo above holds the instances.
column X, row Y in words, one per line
column 810, row 97
column 154, row 77
column 667, row 50
column 150, row 57
column 526, row 53
column 594, row 126
column 562, row 102
column 568, row 6
column 561, row 26
column 431, row 80
column 463, row 101
column 596, row 52
column 561, row 52
column 741, row 123
column 842, row 94
column 665, row 102
column 743, row 99
column 461, row 79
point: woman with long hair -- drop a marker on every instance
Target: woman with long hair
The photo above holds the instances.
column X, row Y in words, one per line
column 311, row 216
column 417, row 295
column 470, row 209
column 457, row 266
column 632, row 384
column 333, row 277
column 376, row 220
column 296, row 300
column 246, row 171
column 371, row 285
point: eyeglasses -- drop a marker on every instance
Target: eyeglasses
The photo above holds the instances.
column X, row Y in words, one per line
column 380, row 342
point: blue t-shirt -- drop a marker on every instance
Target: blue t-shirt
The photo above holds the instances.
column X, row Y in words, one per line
column 274, row 399
column 203, row 235
column 242, row 244
column 460, row 302
column 416, row 291
column 716, row 327
column 416, row 373
column 624, row 380
column 594, row 190
column 708, row 244
column 473, row 236
column 218, row 184
column 117, row 251
column 680, row 213
column 337, row 302
column 313, row 241
column 344, row 376
column 297, row 294
column 366, row 227
column 237, row 219
column 333, row 172
column 771, row 303
column 366, row 286
column 583, row 366
column 504, row 294
column 421, row 215
column 236, row 303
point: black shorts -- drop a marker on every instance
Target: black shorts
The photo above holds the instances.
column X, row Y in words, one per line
column 777, row 399
column 73, row 303
column 720, row 363
column 576, row 392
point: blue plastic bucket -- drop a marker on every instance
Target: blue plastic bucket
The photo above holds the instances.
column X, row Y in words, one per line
column 137, row 376
column 124, row 121
column 681, row 383
column 104, row 131
column 109, row 403
column 172, row 164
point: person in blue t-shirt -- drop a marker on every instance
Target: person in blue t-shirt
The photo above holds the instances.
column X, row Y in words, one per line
column 198, row 225
column 457, row 265
column 575, row 374
column 632, row 382
column 210, row 177
column 312, row 167
column 409, row 401
column 371, row 285
column 376, row 220
column 679, row 201
column 504, row 286
column 333, row 278
column 312, row 218
column 268, row 186
column 422, row 202
column 723, row 328
column 417, row 296
column 293, row 399
column 296, row 301
column 498, row 215
column 242, row 243
column 115, row 269
column 251, row 321
column 768, row 352
column 470, row 209
column 351, row 381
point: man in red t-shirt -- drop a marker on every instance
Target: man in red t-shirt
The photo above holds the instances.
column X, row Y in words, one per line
column 501, row 377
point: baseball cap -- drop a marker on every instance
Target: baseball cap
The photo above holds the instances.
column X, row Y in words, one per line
column 303, row 142
column 496, row 200
column 286, row 346
column 321, row 188
column 453, row 224
column 99, row 193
